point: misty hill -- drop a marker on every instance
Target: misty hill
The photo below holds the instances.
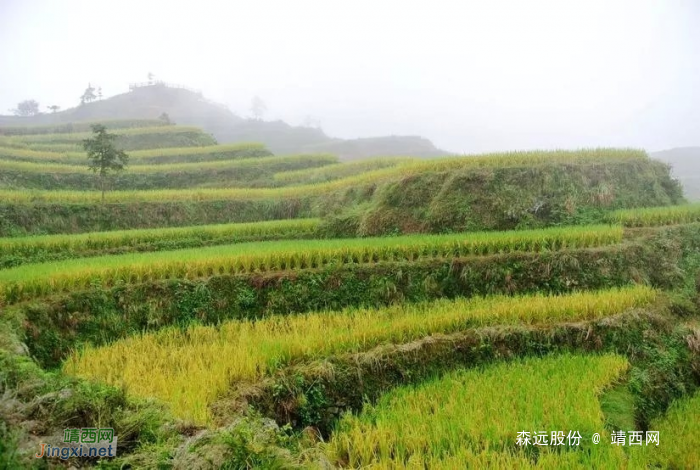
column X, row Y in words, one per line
column 189, row 107
column 685, row 163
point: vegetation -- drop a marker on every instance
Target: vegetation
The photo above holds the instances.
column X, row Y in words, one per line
column 103, row 157
column 339, row 170
column 79, row 126
column 458, row 420
column 655, row 216
column 41, row 279
column 21, row 250
column 173, row 364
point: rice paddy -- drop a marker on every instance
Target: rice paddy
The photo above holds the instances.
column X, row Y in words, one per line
column 655, row 216
column 46, row 278
column 471, row 419
column 189, row 369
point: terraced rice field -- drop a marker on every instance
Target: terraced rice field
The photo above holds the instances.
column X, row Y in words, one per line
column 31, row 280
column 471, row 419
column 196, row 337
column 189, row 369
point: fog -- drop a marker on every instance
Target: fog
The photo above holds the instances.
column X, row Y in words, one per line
column 471, row 76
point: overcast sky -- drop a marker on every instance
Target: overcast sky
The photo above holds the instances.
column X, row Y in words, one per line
column 470, row 75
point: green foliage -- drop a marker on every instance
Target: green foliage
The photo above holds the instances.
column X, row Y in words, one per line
column 103, row 157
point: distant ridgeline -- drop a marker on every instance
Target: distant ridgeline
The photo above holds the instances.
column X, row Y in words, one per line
column 144, row 103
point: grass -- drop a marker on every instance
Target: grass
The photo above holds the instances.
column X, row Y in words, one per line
column 470, row 418
column 142, row 239
column 273, row 163
column 79, row 136
column 32, row 280
column 369, row 177
column 189, row 369
column 655, row 216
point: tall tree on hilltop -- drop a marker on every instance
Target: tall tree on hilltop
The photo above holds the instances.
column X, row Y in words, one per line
column 258, row 108
column 88, row 95
column 99, row 93
column 26, row 108
column 103, row 157
column 54, row 108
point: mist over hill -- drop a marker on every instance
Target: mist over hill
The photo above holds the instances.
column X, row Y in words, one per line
column 685, row 166
column 189, row 107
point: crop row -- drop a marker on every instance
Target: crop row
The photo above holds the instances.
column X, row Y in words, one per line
column 21, row 250
column 143, row 157
column 189, row 369
column 370, row 177
column 655, row 216
column 79, row 126
column 79, row 136
column 274, row 163
column 340, row 170
column 42, row 279
column 471, row 418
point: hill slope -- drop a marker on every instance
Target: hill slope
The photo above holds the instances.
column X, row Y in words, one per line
column 685, row 163
column 187, row 107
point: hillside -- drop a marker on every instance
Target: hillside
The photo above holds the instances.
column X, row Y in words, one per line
column 685, row 165
column 190, row 108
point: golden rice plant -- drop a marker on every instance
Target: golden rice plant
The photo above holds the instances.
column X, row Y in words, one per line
column 190, row 369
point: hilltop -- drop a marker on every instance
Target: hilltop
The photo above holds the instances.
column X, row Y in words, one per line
column 191, row 108
column 685, row 165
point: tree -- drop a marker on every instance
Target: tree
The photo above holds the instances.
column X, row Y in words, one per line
column 103, row 157
column 165, row 118
column 88, row 95
column 53, row 108
column 99, row 93
column 26, row 108
column 150, row 78
column 258, row 108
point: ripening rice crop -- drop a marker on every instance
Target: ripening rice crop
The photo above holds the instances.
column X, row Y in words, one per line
column 46, row 278
column 339, row 170
column 190, row 369
column 270, row 164
column 80, row 126
column 655, row 216
column 679, row 438
column 73, row 154
column 154, row 239
column 79, row 136
column 317, row 189
column 471, row 418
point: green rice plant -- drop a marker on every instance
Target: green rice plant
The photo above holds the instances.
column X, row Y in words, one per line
column 679, row 438
column 40, row 279
column 269, row 164
column 189, row 369
column 73, row 154
column 339, row 170
column 318, row 189
column 79, row 126
column 85, row 244
column 79, row 136
column 471, row 419
column 655, row 216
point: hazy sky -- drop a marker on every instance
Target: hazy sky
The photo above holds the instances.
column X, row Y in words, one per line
column 470, row 75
